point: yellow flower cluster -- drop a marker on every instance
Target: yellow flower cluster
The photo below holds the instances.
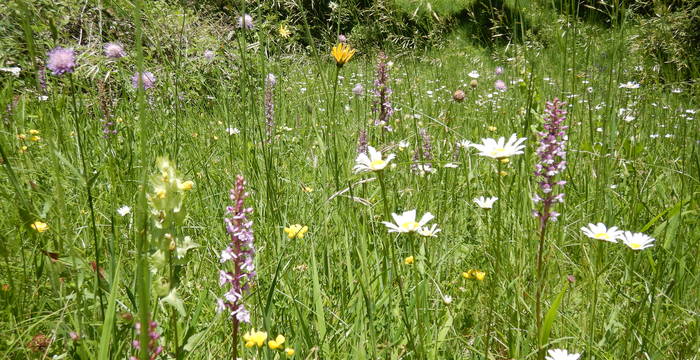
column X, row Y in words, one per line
column 34, row 136
column 257, row 338
column 474, row 274
column 168, row 192
column 296, row 231
column 409, row 260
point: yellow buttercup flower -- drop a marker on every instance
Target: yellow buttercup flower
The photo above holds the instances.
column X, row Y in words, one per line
column 277, row 343
column 35, row 138
column 289, row 351
column 284, row 31
column 342, row 53
column 21, row 136
column 296, row 231
column 474, row 274
column 409, row 260
column 253, row 338
column 40, row 226
column 34, row 132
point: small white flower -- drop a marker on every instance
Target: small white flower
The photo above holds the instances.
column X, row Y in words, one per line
column 637, row 241
column 406, row 222
column 629, row 85
column 451, row 165
column 14, row 70
column 403, row 144
column 373, row 162
column 464, row 144
column 500, row 149
column 429, row 231
column 233, row 131
column 474, row 74
column 601, row 232
column 485, row 203
column 559, row 354
column 124, row 210
column 447, row 299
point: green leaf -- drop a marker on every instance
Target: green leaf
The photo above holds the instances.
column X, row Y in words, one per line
column 108, row 325
column 550, row 316
column 194, row 341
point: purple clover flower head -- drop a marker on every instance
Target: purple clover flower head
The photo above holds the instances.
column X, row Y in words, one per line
column 209, row 55
column 148, row 79
column 342, row 39
column 114, row 50
column 245, row 21
column 382, row 92
column 61, row 60
column 240, row 275
column 498, row 70
column 551, row 154
column 500, row 85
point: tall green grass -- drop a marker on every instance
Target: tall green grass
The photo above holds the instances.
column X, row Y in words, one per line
column 344, row 290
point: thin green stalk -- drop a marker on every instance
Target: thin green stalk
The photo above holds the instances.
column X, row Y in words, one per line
column 88, row 188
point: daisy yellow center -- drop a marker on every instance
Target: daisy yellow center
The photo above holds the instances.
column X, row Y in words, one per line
column 635, row 245
column 377, row 163
column 602, row 236
column 410, row 225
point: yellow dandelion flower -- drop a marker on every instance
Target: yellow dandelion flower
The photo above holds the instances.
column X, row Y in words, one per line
column 253, row 338
column 296, row 231
column 35, row 138
column 409, row 260
column 342, row 53
column 277, row 343
column 34, row 132
column 284, row 32
column 289, row 351
column 40, row 226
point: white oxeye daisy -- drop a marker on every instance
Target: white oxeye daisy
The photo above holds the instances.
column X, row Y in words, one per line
column 429, row 231
column 373, row 162
column 485, row 203
column 124, row 210
column 629, row 85
column 601, row 232
column 559, row 354
column 406, row 222
column 637, row 241
column 500, row 149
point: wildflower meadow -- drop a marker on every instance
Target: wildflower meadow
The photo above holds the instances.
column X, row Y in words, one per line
column 380, row 179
